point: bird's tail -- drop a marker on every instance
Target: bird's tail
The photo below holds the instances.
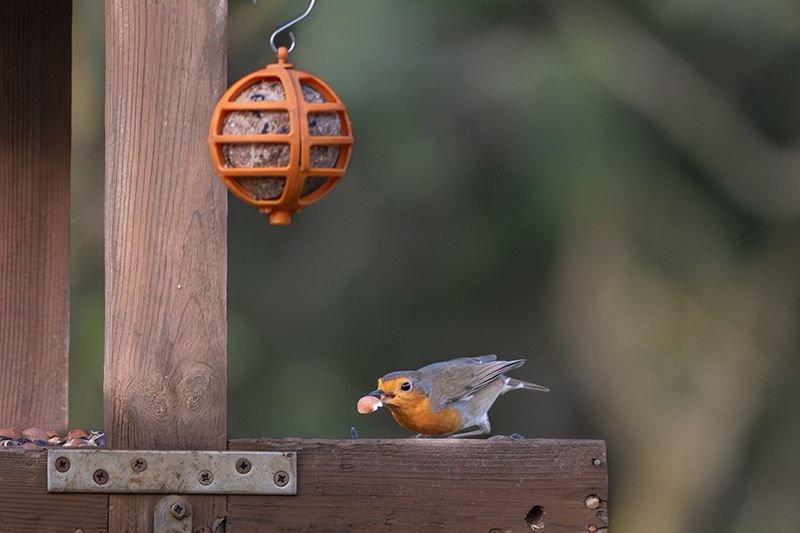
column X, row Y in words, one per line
column 513, row 384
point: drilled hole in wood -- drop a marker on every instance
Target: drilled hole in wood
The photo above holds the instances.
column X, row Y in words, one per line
column 535, row 518
column 592, row 501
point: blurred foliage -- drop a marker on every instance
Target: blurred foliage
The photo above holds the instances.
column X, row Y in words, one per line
column 608, row 188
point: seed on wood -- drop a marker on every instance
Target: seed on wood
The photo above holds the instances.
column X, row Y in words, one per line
column 14, row 433
column 34, row 434
column 76, row 433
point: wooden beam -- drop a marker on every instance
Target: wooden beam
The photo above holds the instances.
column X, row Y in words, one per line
column 165, row 228
column 361, row 486
column 35, row 100
column 432, row 485
column 25, row 504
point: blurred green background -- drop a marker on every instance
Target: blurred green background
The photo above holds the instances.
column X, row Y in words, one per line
column 607, row 188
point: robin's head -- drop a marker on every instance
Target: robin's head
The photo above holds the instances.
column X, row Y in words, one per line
column 399, row 388
column 408, row 396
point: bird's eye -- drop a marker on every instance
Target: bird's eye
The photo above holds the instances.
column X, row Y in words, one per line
column 405, row 386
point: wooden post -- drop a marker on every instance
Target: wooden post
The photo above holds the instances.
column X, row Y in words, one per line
column 35, row 106
column 165, row 234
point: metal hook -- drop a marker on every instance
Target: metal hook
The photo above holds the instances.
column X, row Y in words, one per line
column 295, row 21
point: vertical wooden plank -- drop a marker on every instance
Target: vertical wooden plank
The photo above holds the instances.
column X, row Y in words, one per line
column 35, row 93
column 165, row 233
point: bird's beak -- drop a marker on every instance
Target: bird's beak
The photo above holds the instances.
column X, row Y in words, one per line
column 381, row 394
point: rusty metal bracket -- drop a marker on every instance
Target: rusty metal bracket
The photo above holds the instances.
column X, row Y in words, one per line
column 168, row 472
column 172, row 514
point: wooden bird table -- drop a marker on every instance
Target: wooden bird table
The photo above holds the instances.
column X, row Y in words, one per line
column 166, row 329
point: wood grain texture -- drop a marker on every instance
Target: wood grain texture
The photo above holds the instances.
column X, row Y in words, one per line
column 165, row 231
column 427, row 485
column 35, row 94
column 25, row 504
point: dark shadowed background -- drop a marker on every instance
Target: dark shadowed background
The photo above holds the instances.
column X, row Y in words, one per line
column 607, row 188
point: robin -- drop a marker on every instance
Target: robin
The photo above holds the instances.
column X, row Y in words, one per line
column 443, row 398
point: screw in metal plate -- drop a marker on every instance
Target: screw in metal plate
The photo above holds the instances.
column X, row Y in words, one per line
column 138, row 464
column 62, row 464
column 243, row 466
column 281, row 478
column 205, row 477
column 178, row 510
column 100, row 476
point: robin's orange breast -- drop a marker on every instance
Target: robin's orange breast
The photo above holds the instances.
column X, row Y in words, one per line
column 413, row 412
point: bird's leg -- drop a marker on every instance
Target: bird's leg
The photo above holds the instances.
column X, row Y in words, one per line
column 483, row 429
column 421, row 436
column 467, row 434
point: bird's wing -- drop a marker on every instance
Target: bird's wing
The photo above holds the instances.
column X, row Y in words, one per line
column 468, row 377
column 466, row 361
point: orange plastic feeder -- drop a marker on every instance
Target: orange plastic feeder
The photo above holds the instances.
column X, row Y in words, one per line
column 280, row 139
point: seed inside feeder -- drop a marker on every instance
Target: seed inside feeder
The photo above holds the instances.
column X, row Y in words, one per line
column 267, row 155
column 263, row 187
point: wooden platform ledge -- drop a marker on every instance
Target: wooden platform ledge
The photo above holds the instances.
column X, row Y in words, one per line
column 501, row 485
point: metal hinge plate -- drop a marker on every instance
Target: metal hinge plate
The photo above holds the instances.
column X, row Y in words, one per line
column 167, row 472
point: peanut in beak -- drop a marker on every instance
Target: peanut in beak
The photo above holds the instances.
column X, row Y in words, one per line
column 369, row 404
